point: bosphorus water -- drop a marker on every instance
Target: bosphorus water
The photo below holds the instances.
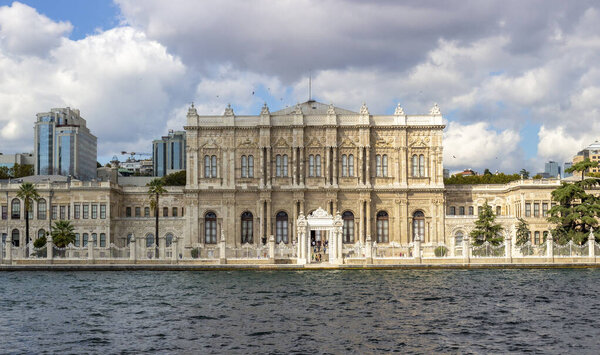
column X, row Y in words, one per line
column 368, row 311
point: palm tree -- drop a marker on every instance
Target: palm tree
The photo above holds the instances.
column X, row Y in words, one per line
column 155, row 189
column 27, row 193
column 62, row 233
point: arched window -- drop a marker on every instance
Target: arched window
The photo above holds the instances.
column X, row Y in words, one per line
column 15, row 237
column 351, row 165
column 84, row 240
column 348, row 228
column 206, row 166
column 281, row 227
column 318, row 165
column 15, row 209
column 77, row 239
column 458, row 239
column 165, row 211
column 311, row 165
column 285, row 166
column 168, row 239
column 452, row 211
column 247, row 228
column 378, row 165
column 41, row 209
column 210, row 228
column 419, row 225
column 422, row 165
column 129, row 236
column 344, row 165
column 383, row 224
column 244, row 166
column 213, row 166
column 415, row 166
column 250, row 166
column 102, row 240
column 41, row 233
column 384, row 165
column 461, row 210
column 278, row 165
column 498, row 210
column 149, row 240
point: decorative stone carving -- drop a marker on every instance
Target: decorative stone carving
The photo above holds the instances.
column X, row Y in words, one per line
column 399, row 111
column 228, row 111
column 331, row 110
column 364, row 110
column 265, row 110
column 298, row 110
column 435, row 110
column 319, row 212
column 192, row 111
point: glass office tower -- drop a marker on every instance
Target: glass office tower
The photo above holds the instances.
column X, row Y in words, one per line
column 168, row 153
column 64, row 145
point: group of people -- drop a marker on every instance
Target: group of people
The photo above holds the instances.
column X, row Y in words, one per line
column 319, row 249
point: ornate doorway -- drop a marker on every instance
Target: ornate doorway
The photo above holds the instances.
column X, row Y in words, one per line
column 321, row 223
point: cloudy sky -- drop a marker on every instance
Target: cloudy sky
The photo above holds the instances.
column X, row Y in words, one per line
column 517, row 81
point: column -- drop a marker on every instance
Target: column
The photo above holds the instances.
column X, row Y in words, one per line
column 294, row 164
column 550, row 246
column 162, row 245
column 466, row 248
column 222, row 250
column 368, row 218
column 397, row 172
column 271, row 249
column 327, row 165
column 359, row 166
column 335, row 166
column 591, row 244
column 405, row 167
column 368, row 169
column 302, row 166
column 8, row 249
column 90, row 247
column 132, row 253
column 260, row 206
column 196, row 170
column 262, row 166
column 49, row 248
column 294, row 221
column 361, row 230
column 268, row 178
column 508, row 249
column 433, row 237
column 174, row 249
column 417, row 250
column 269, row 226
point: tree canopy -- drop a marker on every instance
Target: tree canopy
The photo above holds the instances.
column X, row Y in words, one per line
column 17, row 171
column 63, row 233
column 500, row 178
column 582, row 166
column 175, row 179
column 486, row 229
column 522, row 232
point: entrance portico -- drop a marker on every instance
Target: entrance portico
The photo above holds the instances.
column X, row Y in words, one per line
column 320, row 220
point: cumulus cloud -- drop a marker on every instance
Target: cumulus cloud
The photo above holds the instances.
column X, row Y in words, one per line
column 23, row 31
column 125, row 85
column 478, row 146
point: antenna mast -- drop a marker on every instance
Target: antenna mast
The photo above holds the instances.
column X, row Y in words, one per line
column 309, row 86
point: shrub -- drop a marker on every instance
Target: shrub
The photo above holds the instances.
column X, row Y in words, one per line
column 441, row 251
column 40, row 242
column 195, row 253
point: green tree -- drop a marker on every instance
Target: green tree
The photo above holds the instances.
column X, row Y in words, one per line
column 576, row 212
column 28, row 194
column 21, row 170
column 500, row 178
column 63, row 233
column 4, row 172
column 582, row 167
column 524, row 173
column 523, row 232
column 175, row 179
column 155, row 189
column 486, row 230
column 487, row 172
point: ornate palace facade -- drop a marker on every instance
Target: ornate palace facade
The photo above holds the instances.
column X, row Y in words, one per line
column 250, row 177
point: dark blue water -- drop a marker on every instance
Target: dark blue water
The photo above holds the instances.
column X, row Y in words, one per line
column 449, row 311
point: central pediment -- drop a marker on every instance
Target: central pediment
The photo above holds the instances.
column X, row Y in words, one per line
column 312, row 107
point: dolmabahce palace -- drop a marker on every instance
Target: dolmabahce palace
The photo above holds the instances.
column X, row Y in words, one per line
column 308, row 172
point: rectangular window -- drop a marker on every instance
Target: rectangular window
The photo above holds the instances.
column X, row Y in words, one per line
column 63, row 212
column 138, row 212
column 4, row 212
column 86, row 211
column 165, row 211
column 452, row 211
column 54, row 212
column 174, row 211
column 182, row 210
column 128, row 212
column 146, row 211
column 536, row 209
column 94, row 211
column 536, row 239
column 544, row 209
column 102, row 240
column 77, row 211
column 528, row 210
column 69, row 212
column 102, row 211
column 461, row 210
column 471, row 210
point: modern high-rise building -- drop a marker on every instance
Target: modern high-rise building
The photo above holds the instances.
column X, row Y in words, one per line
column 566, row 166
column 591, row 152
column 64, row 145
column 552, row 169
column 168, row 153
